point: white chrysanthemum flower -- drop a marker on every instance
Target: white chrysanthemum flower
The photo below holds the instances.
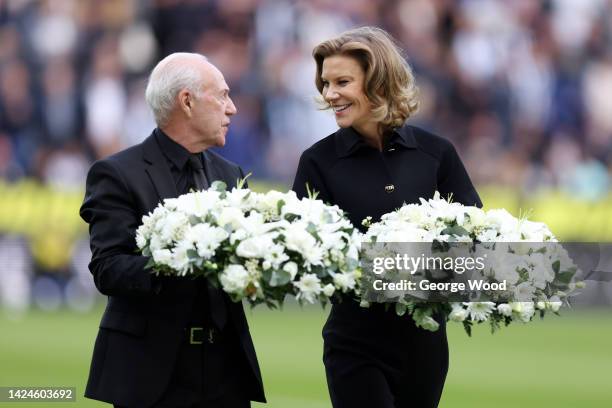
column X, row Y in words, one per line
column 301, row 241
column 332, row 240
column 141, row 239
column 276, row 255
column 172, row 226
column 180, row 258
column 500, row 265
column 487, row 235
column 480, row 311
column 309, row 287
column 205, row 238
column 524, row 291
column 504, row 309
column 162, row 256
column 540, row 270
column 558, row 253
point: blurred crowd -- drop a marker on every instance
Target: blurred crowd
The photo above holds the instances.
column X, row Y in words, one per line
column 521, row 87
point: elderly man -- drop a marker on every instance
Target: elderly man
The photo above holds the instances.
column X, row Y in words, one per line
column 166, row 342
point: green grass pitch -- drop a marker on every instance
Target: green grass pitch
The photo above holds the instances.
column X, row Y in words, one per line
column 561, row 362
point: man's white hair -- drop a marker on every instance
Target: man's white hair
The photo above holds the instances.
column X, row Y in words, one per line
column 168, row 78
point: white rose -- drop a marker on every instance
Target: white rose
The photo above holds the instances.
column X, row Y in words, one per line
column 162, row 256
column 412, row 213
column 242, row 198
column 291, row 268
column 238, row 235
column 458, row 314
column 193, row 204
column 525, row 310
column 502, row 220
column 254, row 224
column 255, row 247
column 428, row 323
column 554, row 303
column 344, row 281
column 476, row 217
column 232, row 216
column 268, row 202
column 156, row 243
column 234, row 279
column 328, row 290
column 528, row 311
column 535, row 231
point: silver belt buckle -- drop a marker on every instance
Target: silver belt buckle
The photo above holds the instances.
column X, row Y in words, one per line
column 192, row 335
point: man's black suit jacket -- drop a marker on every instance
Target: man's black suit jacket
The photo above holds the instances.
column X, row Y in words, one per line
column 143, row 325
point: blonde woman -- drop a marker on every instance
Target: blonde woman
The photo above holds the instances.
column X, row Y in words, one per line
column 372, row 165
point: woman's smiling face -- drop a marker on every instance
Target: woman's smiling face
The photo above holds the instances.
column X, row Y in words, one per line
column 343, row 88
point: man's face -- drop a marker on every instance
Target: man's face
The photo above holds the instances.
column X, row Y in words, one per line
column 212, row 108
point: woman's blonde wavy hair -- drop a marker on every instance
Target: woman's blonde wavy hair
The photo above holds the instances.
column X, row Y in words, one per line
column 389, row 83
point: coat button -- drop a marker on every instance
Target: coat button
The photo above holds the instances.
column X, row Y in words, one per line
column 389, row 188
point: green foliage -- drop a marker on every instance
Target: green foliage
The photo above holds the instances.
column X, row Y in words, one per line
column 276, row 277
column 455, row 230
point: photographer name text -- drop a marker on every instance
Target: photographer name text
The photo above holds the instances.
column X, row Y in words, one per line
column 426, row 285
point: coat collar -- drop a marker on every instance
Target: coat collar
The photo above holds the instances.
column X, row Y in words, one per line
column 159, row 172
column 349, row 141
column 157, row 169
